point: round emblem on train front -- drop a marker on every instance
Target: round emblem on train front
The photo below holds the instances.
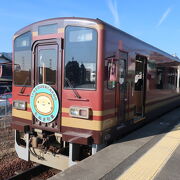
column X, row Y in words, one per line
column 44, row 103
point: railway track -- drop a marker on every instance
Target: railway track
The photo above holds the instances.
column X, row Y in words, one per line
column 30, row 173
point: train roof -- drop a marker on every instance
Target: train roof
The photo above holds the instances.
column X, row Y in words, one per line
column 99, row 21
column 141, row 41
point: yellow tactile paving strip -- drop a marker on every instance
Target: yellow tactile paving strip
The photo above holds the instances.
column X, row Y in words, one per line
column 152, row 161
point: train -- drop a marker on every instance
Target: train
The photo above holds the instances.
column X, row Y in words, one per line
column 80, row 83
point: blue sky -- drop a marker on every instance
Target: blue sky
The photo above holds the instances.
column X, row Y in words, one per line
column 155, row 21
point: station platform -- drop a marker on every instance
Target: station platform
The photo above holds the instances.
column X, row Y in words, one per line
column 150, row 152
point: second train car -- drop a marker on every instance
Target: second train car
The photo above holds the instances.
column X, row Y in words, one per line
column 79, row 83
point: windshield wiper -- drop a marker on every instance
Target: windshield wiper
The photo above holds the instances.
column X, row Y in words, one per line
column 24, row 86
column 74, row 90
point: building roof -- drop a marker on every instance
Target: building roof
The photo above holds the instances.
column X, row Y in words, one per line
column 6, row 56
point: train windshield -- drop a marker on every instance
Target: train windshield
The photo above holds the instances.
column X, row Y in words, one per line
column 80, row 57
column 22, row 59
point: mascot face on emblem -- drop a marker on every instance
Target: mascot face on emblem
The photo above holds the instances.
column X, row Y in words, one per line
column 43, row 103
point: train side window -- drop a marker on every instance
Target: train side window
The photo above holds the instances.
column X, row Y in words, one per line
column 122, row 70
column 160, row 84
column 171, row 78
column 166, row 78
column 112, row 75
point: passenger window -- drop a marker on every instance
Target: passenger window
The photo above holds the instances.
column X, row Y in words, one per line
column 166, row 78
column 172, row 75
column 160, row 83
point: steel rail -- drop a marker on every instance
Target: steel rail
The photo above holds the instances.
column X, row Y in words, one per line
column 30, row 173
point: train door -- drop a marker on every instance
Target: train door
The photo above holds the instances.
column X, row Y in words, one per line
column 121, row 87
column 140, row 85
column 46, row 71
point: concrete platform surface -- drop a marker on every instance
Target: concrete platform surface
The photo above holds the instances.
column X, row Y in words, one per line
column 151, row 152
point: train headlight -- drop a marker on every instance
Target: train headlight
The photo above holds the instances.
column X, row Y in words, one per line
column 74, row 111
column 80, row 112
column 21, row 105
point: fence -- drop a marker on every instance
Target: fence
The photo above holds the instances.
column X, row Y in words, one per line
column 5, row 108
column 5, row 113
column 5, row 122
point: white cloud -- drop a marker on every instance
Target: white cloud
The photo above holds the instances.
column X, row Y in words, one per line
column 114, row 10
column 164, row 16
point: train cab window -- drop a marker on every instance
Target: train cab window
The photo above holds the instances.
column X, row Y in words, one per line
column 47, row 66
column 22, row 59
column 80, row 57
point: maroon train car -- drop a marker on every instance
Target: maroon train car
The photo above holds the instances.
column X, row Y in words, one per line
column 80, row 83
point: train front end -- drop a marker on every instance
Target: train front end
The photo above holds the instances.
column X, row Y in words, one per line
column 57, row 91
